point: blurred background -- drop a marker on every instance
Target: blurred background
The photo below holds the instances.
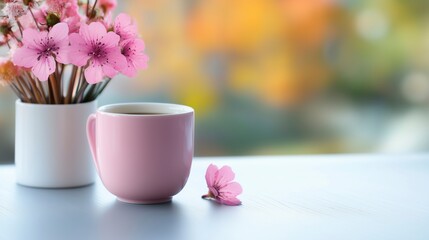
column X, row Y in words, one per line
column 281, row 76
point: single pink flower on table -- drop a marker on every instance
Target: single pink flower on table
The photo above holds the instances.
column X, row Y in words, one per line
column 221, row 187
column 124, row 27
column 132, row 49
column 40, row 49
column 99, row 50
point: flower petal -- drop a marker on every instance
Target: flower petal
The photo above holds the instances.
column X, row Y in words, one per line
column 59, row 32
column 211, row 175
column 123, row 19
column 93, row 31
column 125, row 27
column 130, row 70
column 78, row 51
column 111, row 39
column 232, row 189
column 133, row 64
column 63, row 55
column 139, row 45
column 116, row 59
column 63, row 52
column 132, row 49
column 25, row 57
column 43, row 68
column 93, row 73
column 225, row 175
column 63, row 44
column 140, row 61
column 32, row 38
column 109, row 71
column 228, row 194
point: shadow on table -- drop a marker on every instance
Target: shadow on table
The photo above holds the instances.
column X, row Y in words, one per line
column 6, row 158
column 126, row 221
column 86, row 213
column 53, row 213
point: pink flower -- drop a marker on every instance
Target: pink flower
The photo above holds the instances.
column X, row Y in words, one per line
column 221, row 187
column 73, row 23
column 40, row 49
column 27, row 20
column 125, row 27
column 14, row 9
column 107, row 5
column 98, row 49
column 66, row 8
column 132, row 49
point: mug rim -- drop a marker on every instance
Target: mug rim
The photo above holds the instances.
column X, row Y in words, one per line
column 167, row 109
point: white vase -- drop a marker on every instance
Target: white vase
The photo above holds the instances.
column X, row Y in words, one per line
column 51, row 149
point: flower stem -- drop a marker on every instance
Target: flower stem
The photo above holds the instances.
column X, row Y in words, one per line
column 25, row 88
column 79, row 85
column 58, row 77
column 90, row 94
column 19, row 26
column 87, row 8
column 14, row 36
column 36, row 93
column 41, row 90
column 93, row 7
column 33, row 86
column 50, row 93
column 209, row 195
column 82, row 89
column 54, row 86
column 16, row 91
column 34, row 18
column 71, row 85
column 102, row 88
column 20, row 91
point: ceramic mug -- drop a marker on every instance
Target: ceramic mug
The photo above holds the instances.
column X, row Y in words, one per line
column 142, row 151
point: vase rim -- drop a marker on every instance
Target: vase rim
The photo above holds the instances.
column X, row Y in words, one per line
column 19, row 102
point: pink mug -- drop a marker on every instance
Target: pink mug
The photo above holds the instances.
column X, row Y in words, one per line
column 142, row 151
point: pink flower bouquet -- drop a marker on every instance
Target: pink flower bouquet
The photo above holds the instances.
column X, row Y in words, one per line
column 66, row 51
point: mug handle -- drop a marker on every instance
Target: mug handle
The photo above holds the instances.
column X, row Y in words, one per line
column 91, row 134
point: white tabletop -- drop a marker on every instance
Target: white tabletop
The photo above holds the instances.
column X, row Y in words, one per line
column 286, row 197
